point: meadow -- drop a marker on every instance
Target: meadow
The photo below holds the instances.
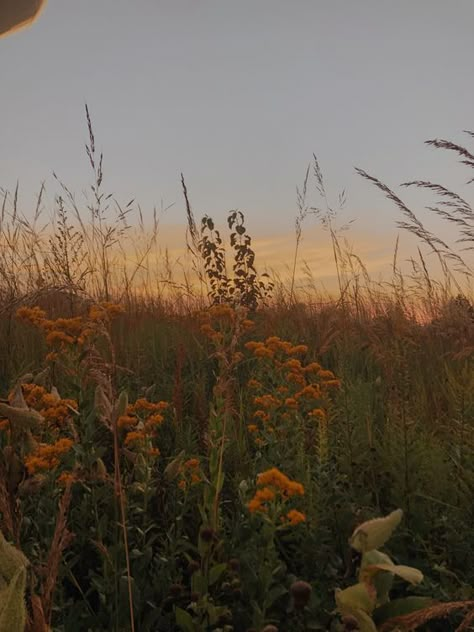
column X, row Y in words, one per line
column 221, row 449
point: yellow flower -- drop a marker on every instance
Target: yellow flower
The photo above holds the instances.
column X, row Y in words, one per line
column 133, row 437
column 298, row 349
column 191, row 464
column 125, row 421
column 290, row 402
column 295, row 517
column 254, row 384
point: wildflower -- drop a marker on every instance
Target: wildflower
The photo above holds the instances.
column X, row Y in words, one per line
column 252, row 345
column 298, row 349
column 293, row 364
column 311, row 391
column 182, row 484
column 133, row 437
column 261, row 414
column 290, row 402
column 295, row 517
column 247, row 324
column 263, row 352
column 252, row 428
column 125, row 421
column 52, row 356
column 35, row 463
column 267, row 401
column 153, row 452
column 326, row 375
column 282, row 389
column 59, row 336
column 265, row 494
column 295, row 378
column 318, row 413
column 65, row 478
column 255, row 384
column 195, row 478
column 301, row 593
column 34, row 315
column 191, row 464
column 153, row 421
column 313, row 367
column 332, row 383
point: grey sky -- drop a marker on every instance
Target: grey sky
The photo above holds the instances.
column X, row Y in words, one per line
column 238, row 94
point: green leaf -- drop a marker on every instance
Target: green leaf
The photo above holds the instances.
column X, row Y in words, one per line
column 358, row 601
column 382, row 581
column 361, row 596
column 12, row 603
column 184, row 620
column 198, row 583
column 216, row 573
column 408, row 573
column 373, row 534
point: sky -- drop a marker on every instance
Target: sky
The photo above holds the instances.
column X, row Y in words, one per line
column 238, row 95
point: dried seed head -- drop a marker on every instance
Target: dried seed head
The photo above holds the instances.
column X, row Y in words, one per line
column 350, row 623
column 301, row 592
column 234, row 565
column 176, row 590
column 193, row 566
column 207, row 534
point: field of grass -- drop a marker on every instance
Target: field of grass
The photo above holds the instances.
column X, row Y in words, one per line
column 211, row 453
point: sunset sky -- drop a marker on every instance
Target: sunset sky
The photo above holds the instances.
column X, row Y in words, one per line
column 238, row 95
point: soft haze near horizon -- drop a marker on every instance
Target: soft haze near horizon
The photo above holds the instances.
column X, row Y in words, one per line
column 238, row 95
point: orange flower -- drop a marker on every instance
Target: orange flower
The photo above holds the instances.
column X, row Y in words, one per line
column 326, row 375
column 318, row 413
column 134, row 437
column 295, row 517
column 153, row 421
column 293, row 364
column 313, row 367
column 191, row 464
column 65, row 478
column 267, row 401
column 125, row 421
column 298, row 349
column 255, row 384
column 290, row 402
column 262, row 415
column 332, row 383
column 263, row 352
column 252, row 428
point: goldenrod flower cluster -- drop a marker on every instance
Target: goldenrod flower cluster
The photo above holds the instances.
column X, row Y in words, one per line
column 274, row 489
column 66, row 332
column 144, row 417
column 52, row 407
column 190, row 473
column 303, row 389
column 47, row 457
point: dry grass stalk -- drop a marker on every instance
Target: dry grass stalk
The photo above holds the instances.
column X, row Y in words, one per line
column 62, row 538
column 414, row 620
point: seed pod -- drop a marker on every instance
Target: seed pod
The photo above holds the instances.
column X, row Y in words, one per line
column 301, row 593
column 207, row 534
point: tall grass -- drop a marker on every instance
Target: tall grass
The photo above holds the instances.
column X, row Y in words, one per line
column 130, row 538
